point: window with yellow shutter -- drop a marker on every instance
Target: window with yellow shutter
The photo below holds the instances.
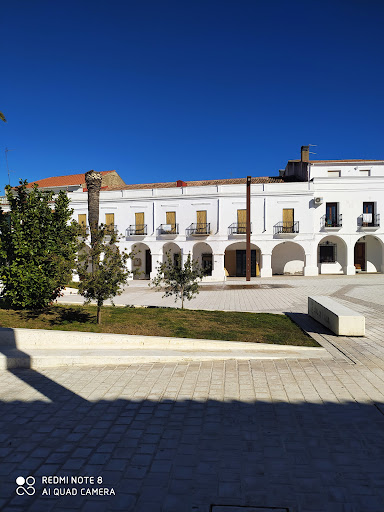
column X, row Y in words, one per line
column 201, row 221
column 82, row 220
column 170, row 220
column 288, row 220
column 241, row 221
column 110, row 221
column 139, row 223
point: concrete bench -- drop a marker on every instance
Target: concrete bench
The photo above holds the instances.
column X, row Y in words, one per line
column 341, row 320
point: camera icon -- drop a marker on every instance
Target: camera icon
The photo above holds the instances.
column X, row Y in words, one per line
column 25, row 485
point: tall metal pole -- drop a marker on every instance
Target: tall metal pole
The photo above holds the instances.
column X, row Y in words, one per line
column 248, row 232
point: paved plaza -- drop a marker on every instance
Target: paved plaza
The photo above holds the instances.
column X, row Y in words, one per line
column 212, row 436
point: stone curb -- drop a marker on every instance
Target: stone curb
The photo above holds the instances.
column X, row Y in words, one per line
column 21, row 348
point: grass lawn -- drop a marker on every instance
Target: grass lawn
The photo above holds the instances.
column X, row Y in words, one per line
column 216, row 325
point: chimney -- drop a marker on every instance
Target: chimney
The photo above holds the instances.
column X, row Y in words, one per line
column 305, row 153
column 180, row 183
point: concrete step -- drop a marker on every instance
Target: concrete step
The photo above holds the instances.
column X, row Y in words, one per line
column 36, row 348
column 13, row 358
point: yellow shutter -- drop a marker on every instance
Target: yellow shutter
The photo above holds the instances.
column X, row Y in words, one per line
column 139, row 219
column 139, row 223
column 201, row 216
column 170, row 218
column 82, row 219
column 241, row 221
column 110, row 220
column 287, row 220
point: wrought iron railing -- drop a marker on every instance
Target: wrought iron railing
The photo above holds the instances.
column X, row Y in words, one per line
column 332, row 222
column 84, row 230
column 286, row 227
column 200, row 228
column 136, row 229
column 110, row 228
column 369, row 220
column 168, row 229
column 238, row 228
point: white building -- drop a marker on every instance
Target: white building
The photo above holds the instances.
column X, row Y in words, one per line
column 318, row 217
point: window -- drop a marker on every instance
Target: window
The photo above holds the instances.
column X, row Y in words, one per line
column 327, row 253
column 170, row 220
column 364, row 172
column 334, row 174
column 288, row 219
column 368, row 214
column 139, row 223
column 201, row 219
column 82, row 219
column 110, row 221
column 241, row 221
column 331, row 215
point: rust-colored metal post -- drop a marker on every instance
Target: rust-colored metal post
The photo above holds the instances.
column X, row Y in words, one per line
column 248, row 232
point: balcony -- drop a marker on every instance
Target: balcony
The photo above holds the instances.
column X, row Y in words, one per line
column 84, row 230
column 286, row 229
column 238, row 229
column 168, row 229
column 109, row 229
column 368, row 222
column 199, row 229
column 331, row 223
column 136, row 230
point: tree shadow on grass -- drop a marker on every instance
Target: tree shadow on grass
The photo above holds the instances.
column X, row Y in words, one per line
column 59, row 315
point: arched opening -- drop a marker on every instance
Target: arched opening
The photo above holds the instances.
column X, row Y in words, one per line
column 288, row 258
column 332, row 255
column 368, row 254
column 235, row 260
column 142, row 261
column 202, row 252
column 174, row 251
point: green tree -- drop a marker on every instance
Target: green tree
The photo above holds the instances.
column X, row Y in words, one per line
column 182, row 281
column 38, row 244
column 102, row 268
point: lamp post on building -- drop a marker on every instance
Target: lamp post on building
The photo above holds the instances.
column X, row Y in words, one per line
column 248, row 232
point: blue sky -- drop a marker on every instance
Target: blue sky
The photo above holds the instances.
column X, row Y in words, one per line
column 165, row 90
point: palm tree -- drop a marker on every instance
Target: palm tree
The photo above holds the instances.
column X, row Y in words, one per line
column 93, row 181
column 2, row 117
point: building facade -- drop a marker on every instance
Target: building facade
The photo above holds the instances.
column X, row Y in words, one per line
column 317, row 217
column 323, row 220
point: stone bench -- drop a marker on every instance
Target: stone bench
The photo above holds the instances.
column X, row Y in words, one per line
column 341, row 320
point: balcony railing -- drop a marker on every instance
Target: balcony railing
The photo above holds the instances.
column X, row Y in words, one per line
column 286, row 228
column 238, row 228
column 84, row 230
column 331, row 222
column 168, row 229
column 137, row 229
column 368, row 220
column 200, row 228
column 110, row 228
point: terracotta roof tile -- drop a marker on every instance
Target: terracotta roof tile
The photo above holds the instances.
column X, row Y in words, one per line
column 63, row 181
column 202, row 183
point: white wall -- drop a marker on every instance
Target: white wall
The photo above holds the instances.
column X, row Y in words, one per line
column 288, row 258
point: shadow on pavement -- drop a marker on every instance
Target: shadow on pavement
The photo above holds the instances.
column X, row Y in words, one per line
column 43, row 384
column 184, row 456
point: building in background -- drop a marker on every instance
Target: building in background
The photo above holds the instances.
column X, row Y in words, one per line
column 316, row 217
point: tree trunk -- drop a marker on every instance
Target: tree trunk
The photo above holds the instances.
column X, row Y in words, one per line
column 99, row 314
column 93, row 181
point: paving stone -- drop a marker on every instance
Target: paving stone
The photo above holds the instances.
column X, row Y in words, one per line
column 308, row 434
